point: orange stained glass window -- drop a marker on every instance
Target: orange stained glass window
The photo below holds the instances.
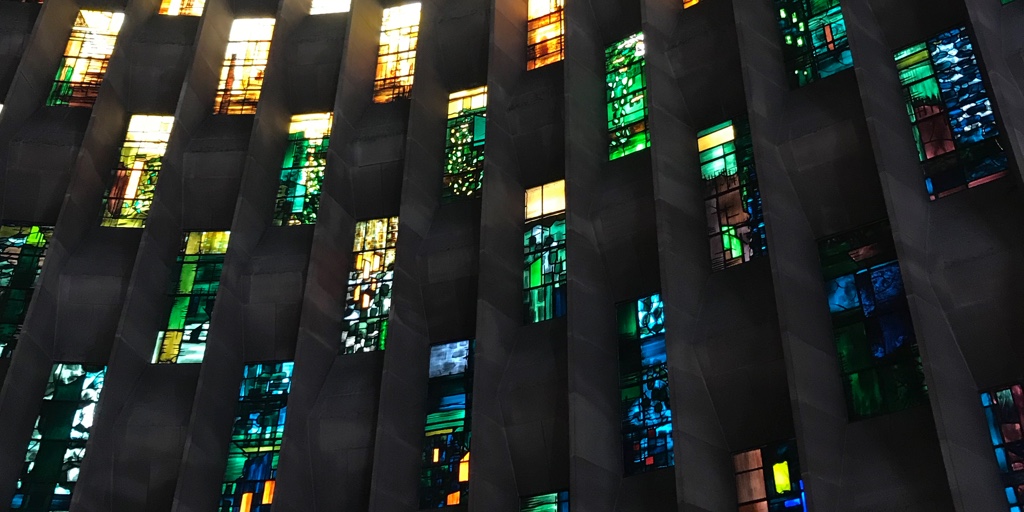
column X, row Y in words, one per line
column 545, row 32
column 245, row 61
column 690, row 3
column 182, row 7
column 85, row 59
column 396, row 59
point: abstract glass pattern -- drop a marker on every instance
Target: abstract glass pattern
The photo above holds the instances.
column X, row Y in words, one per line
column 544, row 272
column 200, row 264
column 627, row 97
column 245, row 62
column 369, row 285
column 954, row 125
column 85, row 59
column 22, row 250
column 814, row 39
column 302, row 173
column 731, row 197
column 874, row 337
column 768, row 479
column 643, row 384
column 444, row 479
column 256, row 438
column 329, row 6
column 182, row 7
column 545, row 32
column 396, row 59
column 1004, row 410
column 127, row 201
column 553, row 502
column 57, row 448
column 464, row 148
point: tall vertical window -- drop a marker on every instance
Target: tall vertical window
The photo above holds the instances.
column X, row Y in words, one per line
column 954, row 125
column 245, row 61
column 444, row 479
column 22, row 250
column 544, row 292
column 329, row 6
column 731, row 197
column 643, row 384
column 545, row 32
column 62, row 429
column 298, row 195
column 874, row 337
column 256, row 438
column 553, row 502
column 127, row 201
column 464, row 149
column 182, row 7
column 198, row 277
column 814, row 39
column 369, row 285
column 1004, row 410
column 396, row 59
column 768, row 479
column 627, row 97
column 85, row 59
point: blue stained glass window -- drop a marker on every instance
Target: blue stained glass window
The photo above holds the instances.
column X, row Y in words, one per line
column 1004, row 410
column 444, row 477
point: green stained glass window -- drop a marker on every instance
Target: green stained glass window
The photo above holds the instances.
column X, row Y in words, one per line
column 553, row 502
column 193, row 293
column 544, row 270
column 444, row 478
column 369, row 285
column 814, row 39
column 22, row 250
column 627, row 97
column 128, row 200
column 302, row 173
column 464, row 149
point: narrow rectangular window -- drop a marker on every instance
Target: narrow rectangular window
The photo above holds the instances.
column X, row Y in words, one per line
column 256, row 438
column 814, row 39
column 627, row 97
column 768, row 478
column 85, row 59
column 57, row 448
column 182, row 7
column 369, row 285
column 731, row 197
column 544, row 272
column 444, row 479
column 127, row 201
column 396, row 59
column 302, row 172
column 545, row 32
column 1004, row 410
column 245, row 61
column 329, row 6
column 954, row 124
column 643, row 384
column 193, row 292
column 464, row 149
column 874, row 337
column 22, row 250
column 553, row 502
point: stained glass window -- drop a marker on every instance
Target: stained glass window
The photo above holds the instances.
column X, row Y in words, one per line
column 690, row 3
column 464, row 149
column 22, row 249
column 182, row 7
column 302, row 173
column 954, row 125
column 544, row 292
column 329, row 6
column 874, row 337
column 814, row 39
column 553, row 502
column 627, row 97
column 57, row 448
column 127, row 201
column 369, row 285
column 545, row 32
column 444, row 479
column 245, row 61
column 1004, row 410
column 396, row 59
column 731, row 197
column 768, row 479
column 85, row 59
column 256, row 438
column 194, row 291
column 643, row 384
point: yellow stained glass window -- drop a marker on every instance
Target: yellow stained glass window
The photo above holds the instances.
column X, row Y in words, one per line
column 127, row 201
column 545, row 32
column 85, row 59
column 396, row 60
column 690, row 3
column 330, row 6
column 245, row 61
column 182, row 7
column 369, row 285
